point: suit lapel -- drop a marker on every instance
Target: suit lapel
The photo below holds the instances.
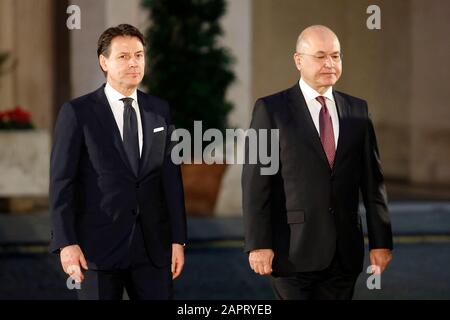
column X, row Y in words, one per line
column 149, row 121
column 344, row 126
column 305, row 123
column 106, row 118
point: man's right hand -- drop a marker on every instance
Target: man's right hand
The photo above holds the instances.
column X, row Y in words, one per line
column 261, row 261
column 72, row 259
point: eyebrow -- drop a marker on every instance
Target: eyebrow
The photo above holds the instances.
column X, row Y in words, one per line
column 320, row 51
column 123, row 52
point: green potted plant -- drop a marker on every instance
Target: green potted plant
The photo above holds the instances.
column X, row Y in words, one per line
column 188, row 68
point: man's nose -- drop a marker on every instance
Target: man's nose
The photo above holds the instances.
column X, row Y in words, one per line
column 329, row 61
column 133, row 62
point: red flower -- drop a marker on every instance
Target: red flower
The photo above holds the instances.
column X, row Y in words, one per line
column 19, row 115
column 15, row 118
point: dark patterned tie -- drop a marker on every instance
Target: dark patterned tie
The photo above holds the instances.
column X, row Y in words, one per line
column 326, row 131
column 130, row 134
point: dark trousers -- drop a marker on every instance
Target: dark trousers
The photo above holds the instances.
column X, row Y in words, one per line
column 136, row 274
column 332, row 283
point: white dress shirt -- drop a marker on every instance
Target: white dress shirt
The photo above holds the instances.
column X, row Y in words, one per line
column 117, row 107
column 314, row 107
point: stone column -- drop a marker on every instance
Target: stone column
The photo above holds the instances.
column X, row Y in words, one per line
column 7, row 41
column 237, row 26
column 430, row 94
column 26, row 31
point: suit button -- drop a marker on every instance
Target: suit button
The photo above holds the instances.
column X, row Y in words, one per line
column 137, row 185
column 332, row 177
column 331, row 210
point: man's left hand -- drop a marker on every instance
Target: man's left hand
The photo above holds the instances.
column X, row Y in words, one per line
column 380, row 258
column 177, row 259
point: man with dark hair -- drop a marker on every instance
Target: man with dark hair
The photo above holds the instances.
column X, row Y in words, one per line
column 302, row 225
column 122, row 30
column 116, row 198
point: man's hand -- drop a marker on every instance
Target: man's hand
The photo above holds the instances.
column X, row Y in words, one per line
column 72, row 259
column 380, row 258
column 177, row 259
column 261, row 261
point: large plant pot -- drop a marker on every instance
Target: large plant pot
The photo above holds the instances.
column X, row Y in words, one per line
column 201, row 186
column 24, row 169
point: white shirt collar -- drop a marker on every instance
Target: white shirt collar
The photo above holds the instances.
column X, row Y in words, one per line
column 115, row 95
column 311, row 94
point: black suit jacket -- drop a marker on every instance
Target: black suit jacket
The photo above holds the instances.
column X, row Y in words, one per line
column 96, row 198
column 307, row 210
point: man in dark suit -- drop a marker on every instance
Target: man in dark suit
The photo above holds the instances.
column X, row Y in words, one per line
column 302, row 224
column 117, row 202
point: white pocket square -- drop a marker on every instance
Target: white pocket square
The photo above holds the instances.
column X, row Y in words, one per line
column 158, row 129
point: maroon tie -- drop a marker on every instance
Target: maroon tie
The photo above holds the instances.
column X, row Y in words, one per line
column 326, row 131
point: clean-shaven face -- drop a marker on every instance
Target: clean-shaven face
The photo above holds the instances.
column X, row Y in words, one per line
column 319, row 61
column 125, row 64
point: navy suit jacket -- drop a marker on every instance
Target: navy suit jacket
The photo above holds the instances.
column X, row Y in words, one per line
column 96, row 198
column 308, row 211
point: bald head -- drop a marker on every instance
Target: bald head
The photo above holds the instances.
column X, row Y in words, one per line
column 314, row 34
column 318, row 57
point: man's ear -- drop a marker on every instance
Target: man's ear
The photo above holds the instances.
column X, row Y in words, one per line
column 102, row 60
column 297, row 60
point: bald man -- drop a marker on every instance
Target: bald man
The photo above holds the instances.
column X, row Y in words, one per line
column 302, row 225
